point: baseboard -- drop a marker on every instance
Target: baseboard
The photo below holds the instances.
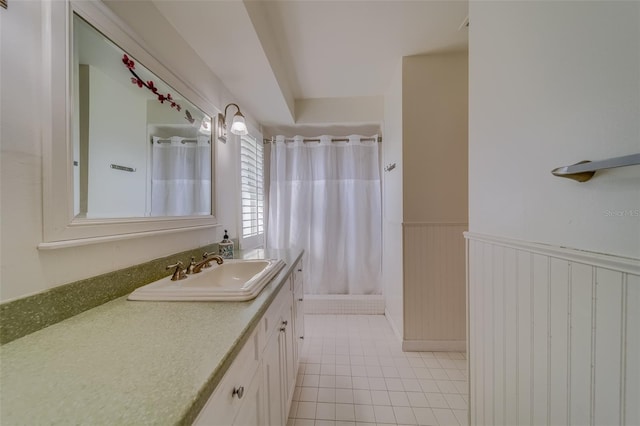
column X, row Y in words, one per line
column 393, row 325
column 434, row 345
column 343, row 304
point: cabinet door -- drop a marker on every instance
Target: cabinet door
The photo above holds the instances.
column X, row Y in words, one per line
column 273, row 385
column 289, row 362
column 298, row 311
column 251, row 413
column 224, row 404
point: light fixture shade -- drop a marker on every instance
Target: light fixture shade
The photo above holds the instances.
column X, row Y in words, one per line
column 238, row 126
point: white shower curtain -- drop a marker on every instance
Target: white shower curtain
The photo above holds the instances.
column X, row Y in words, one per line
column 181, row 176
column 325, row 197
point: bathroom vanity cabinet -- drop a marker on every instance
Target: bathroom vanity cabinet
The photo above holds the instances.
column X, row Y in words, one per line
column 258, row 387
column 165, row 363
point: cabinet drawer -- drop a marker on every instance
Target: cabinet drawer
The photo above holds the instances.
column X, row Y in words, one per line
column 223, row 405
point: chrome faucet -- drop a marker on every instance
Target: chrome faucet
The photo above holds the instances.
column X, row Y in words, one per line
column 204, row 263
column 179, row 273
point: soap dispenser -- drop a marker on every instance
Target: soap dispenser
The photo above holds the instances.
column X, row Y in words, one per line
column 225, row 247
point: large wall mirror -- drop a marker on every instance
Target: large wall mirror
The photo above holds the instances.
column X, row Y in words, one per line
column 134, row 153
column 140, row 148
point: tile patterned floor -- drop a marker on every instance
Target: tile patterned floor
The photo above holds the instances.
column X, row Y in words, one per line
column 353, row 372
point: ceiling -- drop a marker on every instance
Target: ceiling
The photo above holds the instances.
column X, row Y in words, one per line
column 274, row 54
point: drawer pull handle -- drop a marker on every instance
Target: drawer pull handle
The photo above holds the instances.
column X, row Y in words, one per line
column 302, row 337
column 239, row 392
column 299, row 270
column 283, row 329
column 285, row 322
column 300, row 300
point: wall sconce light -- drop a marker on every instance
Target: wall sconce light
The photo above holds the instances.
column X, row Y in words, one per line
column 238, row 125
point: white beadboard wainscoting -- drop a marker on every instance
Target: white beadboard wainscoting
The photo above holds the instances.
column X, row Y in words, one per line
column 554, row 335
column 434, row 287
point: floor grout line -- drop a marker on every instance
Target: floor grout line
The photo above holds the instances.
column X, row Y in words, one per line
column 353, row 372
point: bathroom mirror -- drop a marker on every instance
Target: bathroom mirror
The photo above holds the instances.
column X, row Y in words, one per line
column 127, row 145
column 140, row 148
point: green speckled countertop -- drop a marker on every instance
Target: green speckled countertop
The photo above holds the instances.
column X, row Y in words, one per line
column 128, row 362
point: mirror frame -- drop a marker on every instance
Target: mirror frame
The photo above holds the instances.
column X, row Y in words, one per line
column 60, row 227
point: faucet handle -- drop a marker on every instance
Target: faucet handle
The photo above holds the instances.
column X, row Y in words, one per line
column 192, row 264
column 179, row 273
column 206, row 254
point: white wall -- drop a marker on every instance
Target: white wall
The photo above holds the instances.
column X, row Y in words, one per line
column 425, row 200
column 392, row 204
column 364, row 109
column 434, row 158
column 553, row 330
column 551, row 84
column 23, row 269
column 113, row 193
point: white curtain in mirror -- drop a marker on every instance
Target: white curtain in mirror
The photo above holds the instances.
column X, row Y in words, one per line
column 181, row 176
column 325, row 197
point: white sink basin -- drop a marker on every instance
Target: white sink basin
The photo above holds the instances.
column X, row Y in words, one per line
column 235, row 279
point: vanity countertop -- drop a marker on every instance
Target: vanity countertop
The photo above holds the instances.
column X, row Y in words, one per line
column 129, row 362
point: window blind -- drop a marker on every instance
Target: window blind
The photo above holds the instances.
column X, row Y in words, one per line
column 252, row 187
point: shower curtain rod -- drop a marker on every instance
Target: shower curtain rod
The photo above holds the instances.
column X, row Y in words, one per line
column 379, row 140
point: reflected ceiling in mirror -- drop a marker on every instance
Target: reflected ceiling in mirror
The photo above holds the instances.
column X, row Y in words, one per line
column 140, row 149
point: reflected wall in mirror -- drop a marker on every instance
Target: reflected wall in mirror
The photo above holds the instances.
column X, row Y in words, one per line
column 140, row 149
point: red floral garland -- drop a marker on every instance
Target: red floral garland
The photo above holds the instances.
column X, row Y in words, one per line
column 151, row 86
